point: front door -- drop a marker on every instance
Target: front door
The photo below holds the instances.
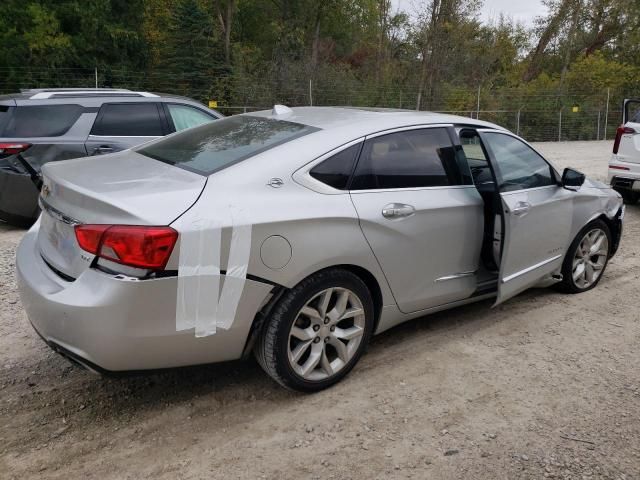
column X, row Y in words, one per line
column 423, row 223
column 537, row 213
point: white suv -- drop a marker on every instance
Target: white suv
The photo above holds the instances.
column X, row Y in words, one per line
column 624, row 166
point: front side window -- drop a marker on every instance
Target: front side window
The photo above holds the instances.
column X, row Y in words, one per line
column 216, row 145
column 40, row 121
column 128, row 120
column 407, row 159
column 184, row 117
column 336, row 170
column 519, row 166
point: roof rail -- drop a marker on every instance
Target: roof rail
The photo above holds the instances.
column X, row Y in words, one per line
column 45, row 93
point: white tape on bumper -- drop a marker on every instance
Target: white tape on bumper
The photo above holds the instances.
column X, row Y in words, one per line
column 199, row 303
column 237, row 267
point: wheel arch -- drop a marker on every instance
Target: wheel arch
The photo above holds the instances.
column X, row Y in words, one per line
column 259, row 321
column 615, row 227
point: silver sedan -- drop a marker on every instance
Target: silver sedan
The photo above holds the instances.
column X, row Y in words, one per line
column 297, row 234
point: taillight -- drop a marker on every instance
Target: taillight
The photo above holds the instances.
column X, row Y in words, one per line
column 132, row 245
column 13, row 148
column 622, row 130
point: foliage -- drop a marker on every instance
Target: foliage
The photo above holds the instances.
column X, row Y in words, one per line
column 357, row 52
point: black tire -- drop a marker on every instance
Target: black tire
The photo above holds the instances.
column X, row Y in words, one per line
column 568, row 285
column 630, row 198
column 271, row 349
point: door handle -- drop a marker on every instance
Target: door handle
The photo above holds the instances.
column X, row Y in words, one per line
column 102, row 149
column 521, row 208
column 398, row 210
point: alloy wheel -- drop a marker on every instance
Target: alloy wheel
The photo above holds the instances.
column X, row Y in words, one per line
column 326, row 334
column 590, row 258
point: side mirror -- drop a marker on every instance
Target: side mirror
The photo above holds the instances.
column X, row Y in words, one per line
column 572, row 179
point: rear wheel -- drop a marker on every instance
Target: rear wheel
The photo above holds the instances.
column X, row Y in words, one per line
column 586, row 258
column 317, row 332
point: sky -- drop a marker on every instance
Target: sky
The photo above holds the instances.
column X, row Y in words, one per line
column 520, row 10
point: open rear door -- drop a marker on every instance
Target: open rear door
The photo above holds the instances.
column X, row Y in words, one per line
column 537, row 218
column 631, row 111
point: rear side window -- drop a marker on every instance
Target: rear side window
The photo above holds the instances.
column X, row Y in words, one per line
column 216, row 145
column 5, row 116
column 408, row 159
column 39, row 121
column 184, row 117
column 336, row 170
column 128, row 120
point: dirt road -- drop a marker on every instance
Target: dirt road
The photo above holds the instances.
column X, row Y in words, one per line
column 546, row 385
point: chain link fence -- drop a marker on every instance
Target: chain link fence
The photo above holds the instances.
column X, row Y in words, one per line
column 539, row 116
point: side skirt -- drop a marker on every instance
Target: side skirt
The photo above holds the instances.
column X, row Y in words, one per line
column 391, row 317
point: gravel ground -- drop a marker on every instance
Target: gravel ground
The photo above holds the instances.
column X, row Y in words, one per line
column 544, row 386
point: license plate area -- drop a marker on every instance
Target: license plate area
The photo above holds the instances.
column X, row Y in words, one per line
column 58, row 245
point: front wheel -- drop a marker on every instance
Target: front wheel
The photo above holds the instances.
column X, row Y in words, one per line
column 586, row 258
column 317, row 332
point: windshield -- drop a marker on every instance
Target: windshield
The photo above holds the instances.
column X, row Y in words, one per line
column 211, row 147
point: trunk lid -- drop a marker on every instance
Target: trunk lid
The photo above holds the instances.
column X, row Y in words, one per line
column 124, row 188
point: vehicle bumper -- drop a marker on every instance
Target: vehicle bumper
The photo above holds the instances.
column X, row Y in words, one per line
column 18, row 198
column 626, row 176
column 621, row 182
column 115, row 323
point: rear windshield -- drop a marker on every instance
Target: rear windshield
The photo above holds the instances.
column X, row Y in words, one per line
column 38, row 120
column 214, row 146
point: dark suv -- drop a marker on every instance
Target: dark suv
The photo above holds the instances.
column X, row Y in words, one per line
column 45, row 125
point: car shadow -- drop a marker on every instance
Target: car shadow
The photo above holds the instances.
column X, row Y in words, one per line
column 244, row 380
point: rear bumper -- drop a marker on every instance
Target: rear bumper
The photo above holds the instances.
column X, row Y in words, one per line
column 114, row 323
column 621, row 182
column 626, row 176
column 18, row 198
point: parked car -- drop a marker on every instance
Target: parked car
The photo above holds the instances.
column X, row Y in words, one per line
column 298, row 233
column 46, row 125
column 624, row 166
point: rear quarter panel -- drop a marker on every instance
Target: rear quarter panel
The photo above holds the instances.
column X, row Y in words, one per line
column 322, row 230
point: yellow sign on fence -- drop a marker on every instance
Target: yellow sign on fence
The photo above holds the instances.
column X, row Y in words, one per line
column 213, row 104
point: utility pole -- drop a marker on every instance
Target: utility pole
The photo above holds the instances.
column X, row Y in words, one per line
column 560, row 125
column 606, row 114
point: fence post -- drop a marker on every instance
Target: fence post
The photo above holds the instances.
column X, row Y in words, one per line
column 478, row 107
column 606, row 115
column 518, row 122
column 96, row 72
column 310, row 95
column 560, row 125
column 598, row 131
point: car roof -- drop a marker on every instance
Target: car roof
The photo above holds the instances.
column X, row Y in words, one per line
column 89, row 93
column 362, row 121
